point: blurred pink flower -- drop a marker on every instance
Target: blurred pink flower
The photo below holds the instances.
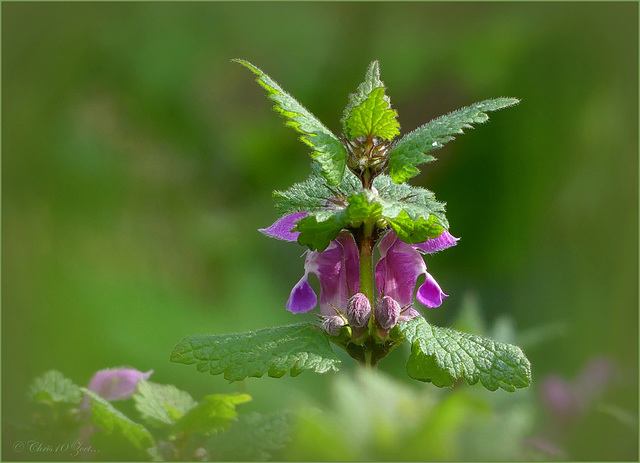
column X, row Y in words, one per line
column 117, row 383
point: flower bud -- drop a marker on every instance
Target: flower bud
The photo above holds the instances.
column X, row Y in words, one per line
column 387, row 313
column 333, row 324
column 358, row 311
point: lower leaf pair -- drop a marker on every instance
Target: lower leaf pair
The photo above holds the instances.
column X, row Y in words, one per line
column 438, row 355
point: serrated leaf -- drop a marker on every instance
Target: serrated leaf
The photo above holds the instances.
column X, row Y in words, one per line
column 317, row 233
column 373, row 118
column 118, row 438
column 253, row 437
column 313, row 194
column 370, row 83
column 410, row 151
column 212, row 415
column 417, row 202
column 328, row 151
column 415, row 230
column 317, row 230
column 272, row 351
column 162, row 404
column 412, row 212
column 52, row 387
column 442, row 355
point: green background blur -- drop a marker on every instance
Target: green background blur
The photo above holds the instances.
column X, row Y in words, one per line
column 138, row 163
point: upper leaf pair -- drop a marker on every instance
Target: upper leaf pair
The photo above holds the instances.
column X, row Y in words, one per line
column 369, row 115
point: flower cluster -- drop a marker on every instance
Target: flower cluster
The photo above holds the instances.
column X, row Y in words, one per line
column 338, row 270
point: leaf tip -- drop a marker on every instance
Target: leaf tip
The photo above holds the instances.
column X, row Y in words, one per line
column 247, row 65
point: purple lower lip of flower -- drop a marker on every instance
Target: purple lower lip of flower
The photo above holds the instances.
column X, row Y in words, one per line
column 117, row 383
column 303, row 298
column 337, row 268
column 429, row 293
column 281, row 228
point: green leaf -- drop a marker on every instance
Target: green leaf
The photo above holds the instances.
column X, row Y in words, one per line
column 212, row 415
column 162, row 404
column 370, row 83
column 411, row 150
column 415, row 230
column 253, row 437
column 317, row 230
column 412, row 212
column 418, row 204
column 373, row 118
column 294, row 348
column 314, row 195
column 328, row 151
column 52, row 387
column 118, row 438
column 442, row 355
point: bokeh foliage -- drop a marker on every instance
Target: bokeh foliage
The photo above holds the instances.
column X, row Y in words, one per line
column 138, row 163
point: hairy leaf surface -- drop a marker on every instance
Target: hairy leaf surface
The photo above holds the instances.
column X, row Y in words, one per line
column 373, row 118
column 411, row 150
column 272, row 351
column 442, row 355
column 328, row 151
column 370, row 83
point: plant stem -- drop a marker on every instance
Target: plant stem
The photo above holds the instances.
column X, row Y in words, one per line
column 365, row 245
column 368, row 357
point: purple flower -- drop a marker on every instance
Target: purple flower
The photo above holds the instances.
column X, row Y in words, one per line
column 110, row 384
column 337, row 268
column 558, row 396
column 399, row 267
column 568, row 399
column 281, row 228
column 338, row 271
column 117, row 383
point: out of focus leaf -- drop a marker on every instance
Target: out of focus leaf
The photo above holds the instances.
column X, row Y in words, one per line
column 117, row 437
column 162, row 404
column 254, row 437
column 53, row 387
column 212, row 415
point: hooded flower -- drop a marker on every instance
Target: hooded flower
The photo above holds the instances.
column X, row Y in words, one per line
column 401, row 264
column 337, row 267
column 117, row 383
column 111, row 384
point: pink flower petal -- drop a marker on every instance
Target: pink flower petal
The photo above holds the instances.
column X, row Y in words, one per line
column 281, row 228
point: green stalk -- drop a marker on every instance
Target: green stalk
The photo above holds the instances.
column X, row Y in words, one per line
column 365, row 245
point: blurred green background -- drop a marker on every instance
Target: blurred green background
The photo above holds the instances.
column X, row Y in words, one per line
column 138, row 163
